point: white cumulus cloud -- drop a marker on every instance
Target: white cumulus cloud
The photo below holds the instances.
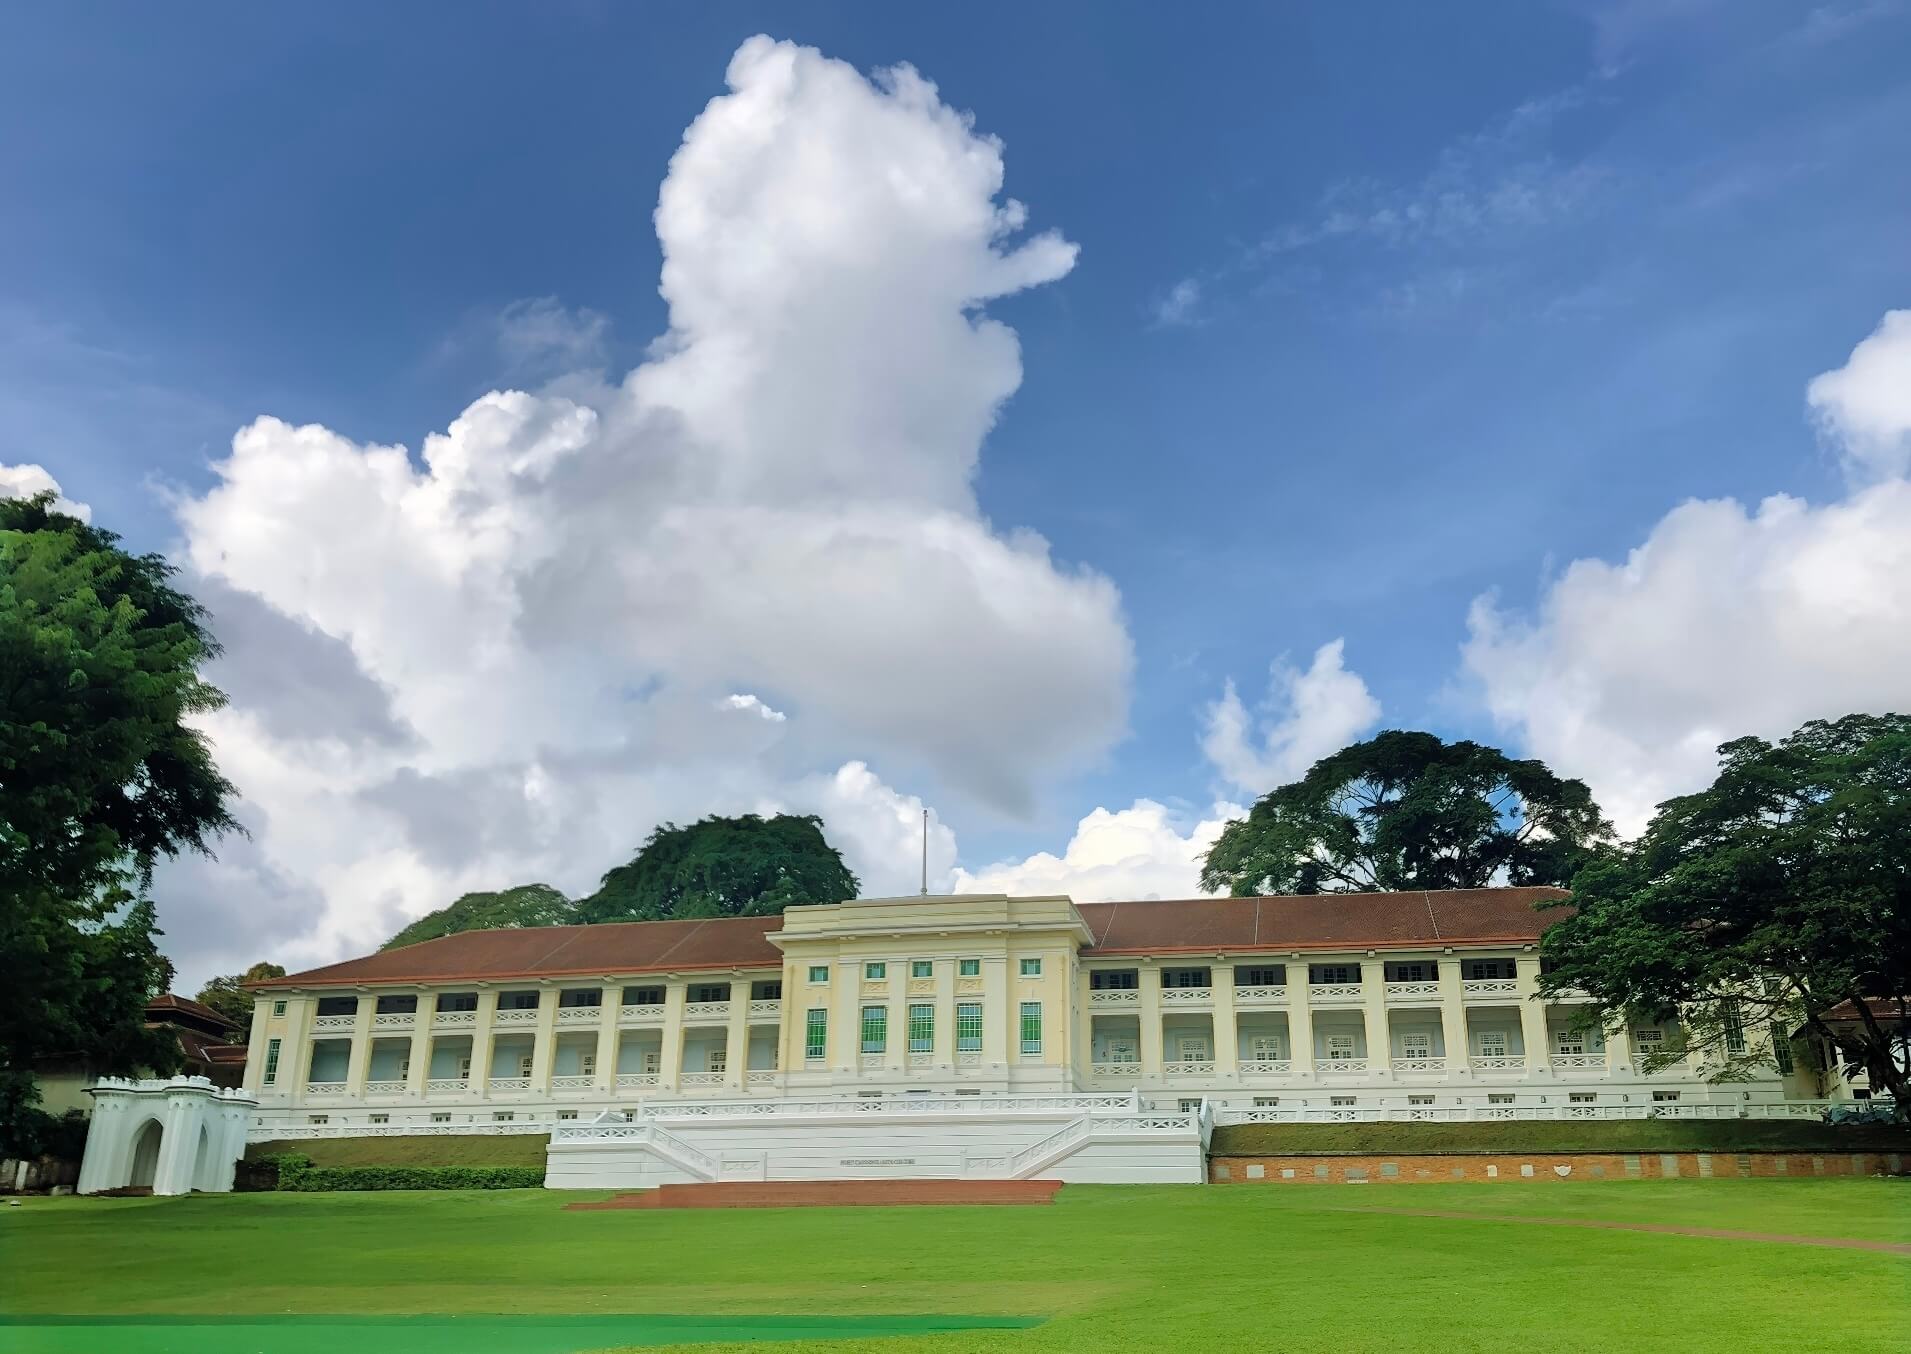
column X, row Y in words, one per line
column 1307, row 714
column 1864, row 407
column 1143, row 851
column 1725, row 621
column 24, row 481
column 531, row 641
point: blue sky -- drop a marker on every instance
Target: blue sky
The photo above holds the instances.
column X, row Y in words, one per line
column 1377, row 309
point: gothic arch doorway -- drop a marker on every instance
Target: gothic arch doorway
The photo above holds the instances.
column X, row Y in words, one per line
column 146, row 1144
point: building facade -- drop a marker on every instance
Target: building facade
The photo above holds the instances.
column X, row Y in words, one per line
column 1413, row 1005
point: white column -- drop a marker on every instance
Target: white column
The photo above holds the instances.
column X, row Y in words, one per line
column 896, row 1053
column 607, row 1030
column 998, row 1012
column 1619, row 1051
column 1300, row 1024
column 418, row 1061
column 1227, row 1038
column 481, row 1030
column 1373, row 1010
column 1148, row 978
column 736, row 1054
column 1532, row 1017
column 544, row 1040
column 1081, row 1029
column 1453, row 1019
column 670, row 1059
column 256, row 1041
column 361, row 1054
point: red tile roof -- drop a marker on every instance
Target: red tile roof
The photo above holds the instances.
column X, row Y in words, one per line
column 556, row 951
column 1340, row 921
column 167, row 1003
column 1323, row 921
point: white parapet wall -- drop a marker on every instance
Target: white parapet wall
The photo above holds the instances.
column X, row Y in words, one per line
column 1082, row 1139
column 173, row 1136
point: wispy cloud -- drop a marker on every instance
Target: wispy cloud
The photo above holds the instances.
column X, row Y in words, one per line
column 1180, row 305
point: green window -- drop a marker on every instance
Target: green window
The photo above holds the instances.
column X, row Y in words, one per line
column 271, row 1062
column 278, row 1008
column 1781, row 1054
column 819, row 973
column 922, row 968
column 1031, row 1027
column 968, row 968
column 968, row 1027
column 875, row 971
column 922, row 1028
column 875, row 1029
column 816, row 1035
column 1031, row 968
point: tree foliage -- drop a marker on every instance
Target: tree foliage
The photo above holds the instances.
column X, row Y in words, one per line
column 1405, row 810
column 228, row 996
column 101, row 774
column 524, row 905
column 1766, row 900
column 747, row 866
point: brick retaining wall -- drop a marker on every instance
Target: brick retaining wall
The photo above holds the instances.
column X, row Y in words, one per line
column 1336, row 1170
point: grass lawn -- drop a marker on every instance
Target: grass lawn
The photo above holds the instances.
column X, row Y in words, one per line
column 1245, row 1267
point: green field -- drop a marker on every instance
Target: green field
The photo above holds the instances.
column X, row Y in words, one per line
column 1294, row 1268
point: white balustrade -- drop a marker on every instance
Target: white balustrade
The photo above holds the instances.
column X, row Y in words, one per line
column 1771, row 1109
column 922, row 1059
column 1569, row 1062
column 384, row 1088
column 1130, row 1067
column 579, row 1015
column 1412, row 992
column 637, row 1081
column 1498, row 1063
column 1260, row 996
column 762, row 1077
column 702, row 1079
column 446, row 1085
column 1333, row 994
column 1343, row 1067
column 510, row 1083
column 1419, row 1065
column 1490, row 987
column 1267, row 1067
column 873, row 1062
column 394, row 1020
column 1114, row 998
column 445, row 1019
column 641, row 1015
column 516, row 1016
column 1187, row 996
column 571, row 1081
column 767, row 1008
column 1188, row 1069
column 706, row 1010
column 968, row 1060
column 334, row 1022
column 325, row 1088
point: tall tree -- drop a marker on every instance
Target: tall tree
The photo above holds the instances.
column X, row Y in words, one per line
column 724, row 867
column 1778, row 894
column 228, row 996
column 525, row 905
column 1405, row 810
column 101, row 774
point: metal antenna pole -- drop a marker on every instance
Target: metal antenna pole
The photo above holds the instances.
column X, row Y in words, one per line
column 925, row 853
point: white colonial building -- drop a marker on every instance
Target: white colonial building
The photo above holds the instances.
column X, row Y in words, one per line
column 1050, row 1016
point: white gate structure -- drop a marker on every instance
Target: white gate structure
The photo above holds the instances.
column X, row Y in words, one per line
column 174, row 1136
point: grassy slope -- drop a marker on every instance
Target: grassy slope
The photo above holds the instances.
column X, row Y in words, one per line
column 1239, row 1268
column 1615, row 1135
column 505, row 1149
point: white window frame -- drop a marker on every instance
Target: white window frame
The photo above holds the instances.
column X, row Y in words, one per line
column 1342, row 1048
column 1416, row 1044
column 819, row 973
column 876, row 971
column 1493, row 1044
column 968, row 968
column 587, row 1064
column 1193, row 1048
column 922, row 968
column 1031, row 968
column 1266, row 1048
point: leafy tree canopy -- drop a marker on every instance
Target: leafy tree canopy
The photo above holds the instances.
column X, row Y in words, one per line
column 1779, row 893
column 747, row 866
column 228, row 996
column 1405, row 810
column 101, row 774
column 525, row 905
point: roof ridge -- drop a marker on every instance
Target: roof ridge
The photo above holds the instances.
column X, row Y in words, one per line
column 1432, row 919
column 697, row 925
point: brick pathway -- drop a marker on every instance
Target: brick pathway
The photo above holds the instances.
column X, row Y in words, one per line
column 832, row 1194
column 1666, row 1229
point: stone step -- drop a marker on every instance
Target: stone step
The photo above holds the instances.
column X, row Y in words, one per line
column 832, row 1194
